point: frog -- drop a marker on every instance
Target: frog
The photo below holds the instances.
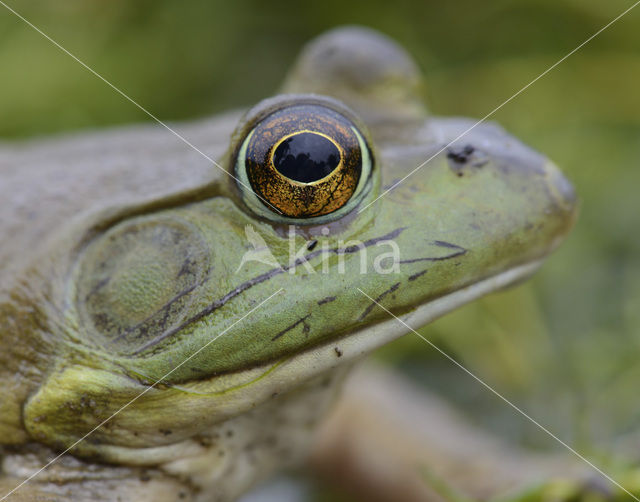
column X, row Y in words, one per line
column 179, row 311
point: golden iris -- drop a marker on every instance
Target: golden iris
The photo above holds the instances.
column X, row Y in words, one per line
column 304, row 161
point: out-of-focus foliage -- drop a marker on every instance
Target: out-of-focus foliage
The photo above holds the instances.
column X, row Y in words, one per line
column 566, row 346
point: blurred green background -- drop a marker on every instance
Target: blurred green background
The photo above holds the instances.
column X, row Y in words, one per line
column 565, row 347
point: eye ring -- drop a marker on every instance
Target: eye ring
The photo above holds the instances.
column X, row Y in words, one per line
column 298, row 133
column 304, row 161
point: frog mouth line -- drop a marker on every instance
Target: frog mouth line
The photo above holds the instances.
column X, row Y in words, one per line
column 457, row 251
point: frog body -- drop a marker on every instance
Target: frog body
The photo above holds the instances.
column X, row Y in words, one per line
column 125, row 300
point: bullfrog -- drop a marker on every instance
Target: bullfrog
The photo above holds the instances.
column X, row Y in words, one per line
column 178, row 311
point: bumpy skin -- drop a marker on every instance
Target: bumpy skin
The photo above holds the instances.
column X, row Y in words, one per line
column 479, row 216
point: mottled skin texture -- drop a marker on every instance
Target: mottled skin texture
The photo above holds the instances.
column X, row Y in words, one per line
column 479, row 216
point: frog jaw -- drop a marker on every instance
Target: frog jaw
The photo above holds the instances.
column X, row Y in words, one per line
column 132, row 437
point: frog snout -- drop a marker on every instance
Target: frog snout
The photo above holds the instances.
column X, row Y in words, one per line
column 561, row 189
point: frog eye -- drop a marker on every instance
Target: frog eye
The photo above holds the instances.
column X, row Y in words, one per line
column 303, row 162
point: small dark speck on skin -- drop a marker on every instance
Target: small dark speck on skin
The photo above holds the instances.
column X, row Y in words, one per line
column 312, row 244
column 182, row 495
column 166, row 432
column 338, row 352
column 229, row 434
column 144, row 476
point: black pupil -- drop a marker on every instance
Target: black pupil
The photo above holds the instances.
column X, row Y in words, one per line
column 306, row 157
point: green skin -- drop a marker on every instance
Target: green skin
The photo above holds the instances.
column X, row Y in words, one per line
column 465, row 225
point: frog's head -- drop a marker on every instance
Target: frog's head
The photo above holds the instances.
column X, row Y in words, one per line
column 230, row 295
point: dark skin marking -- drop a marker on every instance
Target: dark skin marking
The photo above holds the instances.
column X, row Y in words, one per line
column 165, row 308
column 97, row 288
column 205, row 441
column 338, row 352
column 460, row 154
column 465, row 155
column 419, row 274
column 328, row 299
column 215, row 305
column 460, row 251
column 289, row 328
column 370, row 242
column 368, row 310
column 165, row 318
column 187, row 264
column 446, row 245
column 312, row 244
